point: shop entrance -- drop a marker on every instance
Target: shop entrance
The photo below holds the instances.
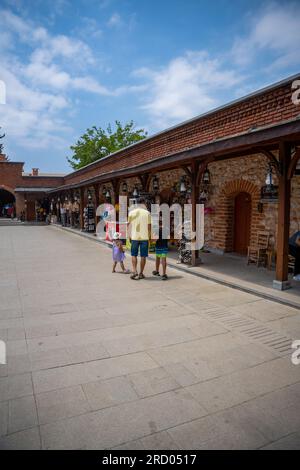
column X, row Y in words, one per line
column 242, row 223
column 7, row 203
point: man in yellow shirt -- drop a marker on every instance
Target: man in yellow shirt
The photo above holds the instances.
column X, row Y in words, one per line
column 139, row 231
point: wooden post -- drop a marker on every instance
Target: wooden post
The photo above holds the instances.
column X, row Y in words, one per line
column 81, row 207
column 281, row 281
column 194, row 201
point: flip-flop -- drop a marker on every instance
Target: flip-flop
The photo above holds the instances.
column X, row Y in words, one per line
column 134, row 276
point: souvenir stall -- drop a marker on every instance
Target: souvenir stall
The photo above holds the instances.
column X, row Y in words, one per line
column 75, row 213
column 89, row 222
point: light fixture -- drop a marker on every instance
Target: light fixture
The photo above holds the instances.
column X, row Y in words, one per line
column 206, row 176
column 269, row 192
column 203, row 197
column 182, row 185
column 135, row 192
column 66, row 198
column 155, row 183
column 89, row 196
column 269, row 177
column 104, row 190
column 124, row 187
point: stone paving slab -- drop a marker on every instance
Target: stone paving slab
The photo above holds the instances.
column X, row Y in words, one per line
column 98, row 361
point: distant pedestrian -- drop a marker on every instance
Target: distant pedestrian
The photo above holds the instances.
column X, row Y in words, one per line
column 118, row 253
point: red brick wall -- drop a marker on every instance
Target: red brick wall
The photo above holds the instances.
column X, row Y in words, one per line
column 10, row 175
column 265, row 108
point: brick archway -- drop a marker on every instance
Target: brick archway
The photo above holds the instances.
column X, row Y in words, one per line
column 234, row 187
column 224, row 217
column 7, row 188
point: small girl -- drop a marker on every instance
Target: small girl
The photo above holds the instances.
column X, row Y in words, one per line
column 118, row 253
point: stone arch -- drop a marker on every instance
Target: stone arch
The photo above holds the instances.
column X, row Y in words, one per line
column 234, row 187
column 224, row 217
column 8, row 188
column 7, row 196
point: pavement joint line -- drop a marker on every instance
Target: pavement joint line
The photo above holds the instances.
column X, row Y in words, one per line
column 214, row 413
column 187, row 270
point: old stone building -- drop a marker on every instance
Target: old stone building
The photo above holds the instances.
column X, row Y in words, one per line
column 238, row 146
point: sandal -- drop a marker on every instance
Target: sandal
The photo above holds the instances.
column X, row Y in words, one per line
column 155, row 273
column 164, row 277
column 141, row 276
column 134, row 276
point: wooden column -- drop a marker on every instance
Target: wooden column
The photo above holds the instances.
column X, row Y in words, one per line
column 81, row 208
column 281, row 281
column 194, row 200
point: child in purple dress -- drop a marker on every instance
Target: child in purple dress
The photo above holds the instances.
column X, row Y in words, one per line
column 118, row 253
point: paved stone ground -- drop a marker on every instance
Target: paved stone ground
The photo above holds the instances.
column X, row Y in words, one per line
column 96, row 360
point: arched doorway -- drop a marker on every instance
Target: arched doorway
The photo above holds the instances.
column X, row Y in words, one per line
column 242, row 222
column 7, row 203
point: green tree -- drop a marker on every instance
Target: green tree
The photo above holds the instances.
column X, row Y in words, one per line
column 97, row 143
column 1, row 145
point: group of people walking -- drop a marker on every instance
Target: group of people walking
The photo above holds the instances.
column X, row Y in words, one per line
column 139, row 233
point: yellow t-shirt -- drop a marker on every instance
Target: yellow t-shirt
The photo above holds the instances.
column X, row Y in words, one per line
column 139, row 220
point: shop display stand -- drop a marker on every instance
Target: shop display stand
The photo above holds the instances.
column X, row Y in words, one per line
column 89, row 218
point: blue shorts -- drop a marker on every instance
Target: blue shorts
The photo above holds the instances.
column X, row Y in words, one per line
column 142, row 245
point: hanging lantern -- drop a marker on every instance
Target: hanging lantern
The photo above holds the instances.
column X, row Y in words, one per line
column 203, row 197
column 104, row 191
column 124, row 187
column 182, row 185
column 135, row 192
column 206, row 176
column 66, row 198
column 269, row 192
column 269, row 177
column 107, row 195
column 155, row 183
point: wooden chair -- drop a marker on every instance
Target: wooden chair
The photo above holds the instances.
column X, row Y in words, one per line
column 258, row 254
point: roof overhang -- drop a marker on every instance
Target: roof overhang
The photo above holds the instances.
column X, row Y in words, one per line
column 250, row 142
column 32, row 190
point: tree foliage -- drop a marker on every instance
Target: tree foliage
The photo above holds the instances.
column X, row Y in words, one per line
column 97, row 143
column 1, row 145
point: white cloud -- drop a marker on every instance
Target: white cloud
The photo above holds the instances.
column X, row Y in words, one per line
column 185, row 87
column 39, row 86
column 277, row 30
column 115, row 20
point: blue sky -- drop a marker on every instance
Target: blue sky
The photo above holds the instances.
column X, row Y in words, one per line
column 68, row 65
